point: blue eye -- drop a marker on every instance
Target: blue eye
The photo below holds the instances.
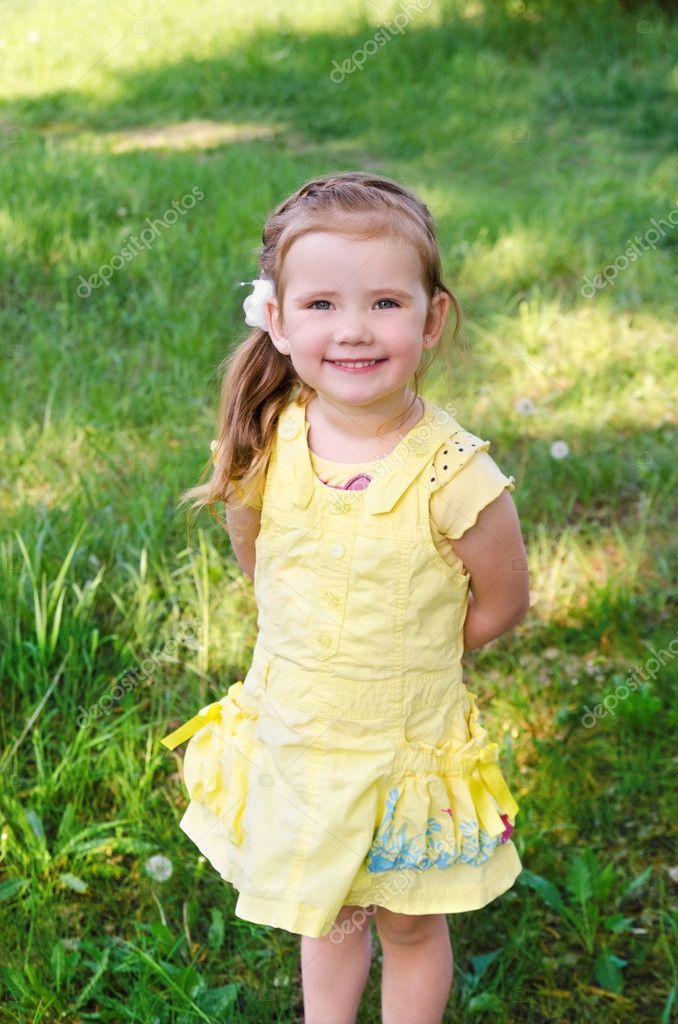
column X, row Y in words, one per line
column 326, row 301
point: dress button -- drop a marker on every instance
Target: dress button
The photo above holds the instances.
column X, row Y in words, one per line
column 417, row 445
column 337, row 550
column 331, row 598
column 340, row 505
column 325, row 640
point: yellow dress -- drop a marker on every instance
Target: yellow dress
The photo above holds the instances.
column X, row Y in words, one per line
column 350, row 766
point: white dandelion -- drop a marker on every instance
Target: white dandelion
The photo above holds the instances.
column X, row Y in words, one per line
column 524, row 405
column 159, row 868
column 560, row 449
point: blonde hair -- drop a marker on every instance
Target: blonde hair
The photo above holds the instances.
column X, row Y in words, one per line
column 258, row 380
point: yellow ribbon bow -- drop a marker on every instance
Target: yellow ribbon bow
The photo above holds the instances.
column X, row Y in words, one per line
column 491, row 781
column 185, row 731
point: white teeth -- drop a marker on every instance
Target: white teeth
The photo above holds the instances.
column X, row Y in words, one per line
column 366, row 362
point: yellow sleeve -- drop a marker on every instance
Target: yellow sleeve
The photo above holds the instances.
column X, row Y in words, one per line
column 464, row 479
column 254, row 495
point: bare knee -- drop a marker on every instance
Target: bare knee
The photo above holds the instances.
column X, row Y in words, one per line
column 352, row 919
column 407, row 929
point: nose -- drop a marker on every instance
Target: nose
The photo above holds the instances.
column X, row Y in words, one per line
column 352, row 329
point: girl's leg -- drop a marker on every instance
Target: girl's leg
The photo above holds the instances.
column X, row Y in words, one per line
column 417, row 967
column 334, row 968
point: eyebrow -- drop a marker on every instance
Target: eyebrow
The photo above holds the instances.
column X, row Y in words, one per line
column 374, row 291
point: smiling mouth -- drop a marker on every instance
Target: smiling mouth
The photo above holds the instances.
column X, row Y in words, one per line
column 355, row 363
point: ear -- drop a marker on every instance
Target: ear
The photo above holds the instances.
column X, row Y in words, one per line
column 275, row 326
column 438, row 309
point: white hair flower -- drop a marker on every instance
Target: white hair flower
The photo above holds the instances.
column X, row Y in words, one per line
column 253, row 305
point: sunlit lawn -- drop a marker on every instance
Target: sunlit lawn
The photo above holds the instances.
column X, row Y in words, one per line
column 543, row 146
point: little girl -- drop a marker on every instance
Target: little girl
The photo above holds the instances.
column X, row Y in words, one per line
column 349, row 774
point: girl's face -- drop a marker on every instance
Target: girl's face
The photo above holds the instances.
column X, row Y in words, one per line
column 351, row 300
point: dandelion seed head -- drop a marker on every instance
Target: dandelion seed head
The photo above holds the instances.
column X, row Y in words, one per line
column 524, row 405
column 560, row 449
column 159, row 867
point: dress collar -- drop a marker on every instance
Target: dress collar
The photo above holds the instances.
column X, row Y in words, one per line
column 394, row 473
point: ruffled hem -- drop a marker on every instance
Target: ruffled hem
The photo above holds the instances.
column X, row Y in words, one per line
column 452, row 833
column 439, row 807
column 492, row 492
column 448, row 804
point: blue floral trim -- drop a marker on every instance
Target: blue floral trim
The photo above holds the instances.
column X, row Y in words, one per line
column 391, row 850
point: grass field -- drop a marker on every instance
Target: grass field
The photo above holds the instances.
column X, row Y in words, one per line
column 542, row 136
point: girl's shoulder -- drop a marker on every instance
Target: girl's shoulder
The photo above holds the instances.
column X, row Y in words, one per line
column 459, row 449
column 463, row 479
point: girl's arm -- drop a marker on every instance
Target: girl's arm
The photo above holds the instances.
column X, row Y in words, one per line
column 494, row 554
column 243, row 529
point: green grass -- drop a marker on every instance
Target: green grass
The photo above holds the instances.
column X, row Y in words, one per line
column 542, row 140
